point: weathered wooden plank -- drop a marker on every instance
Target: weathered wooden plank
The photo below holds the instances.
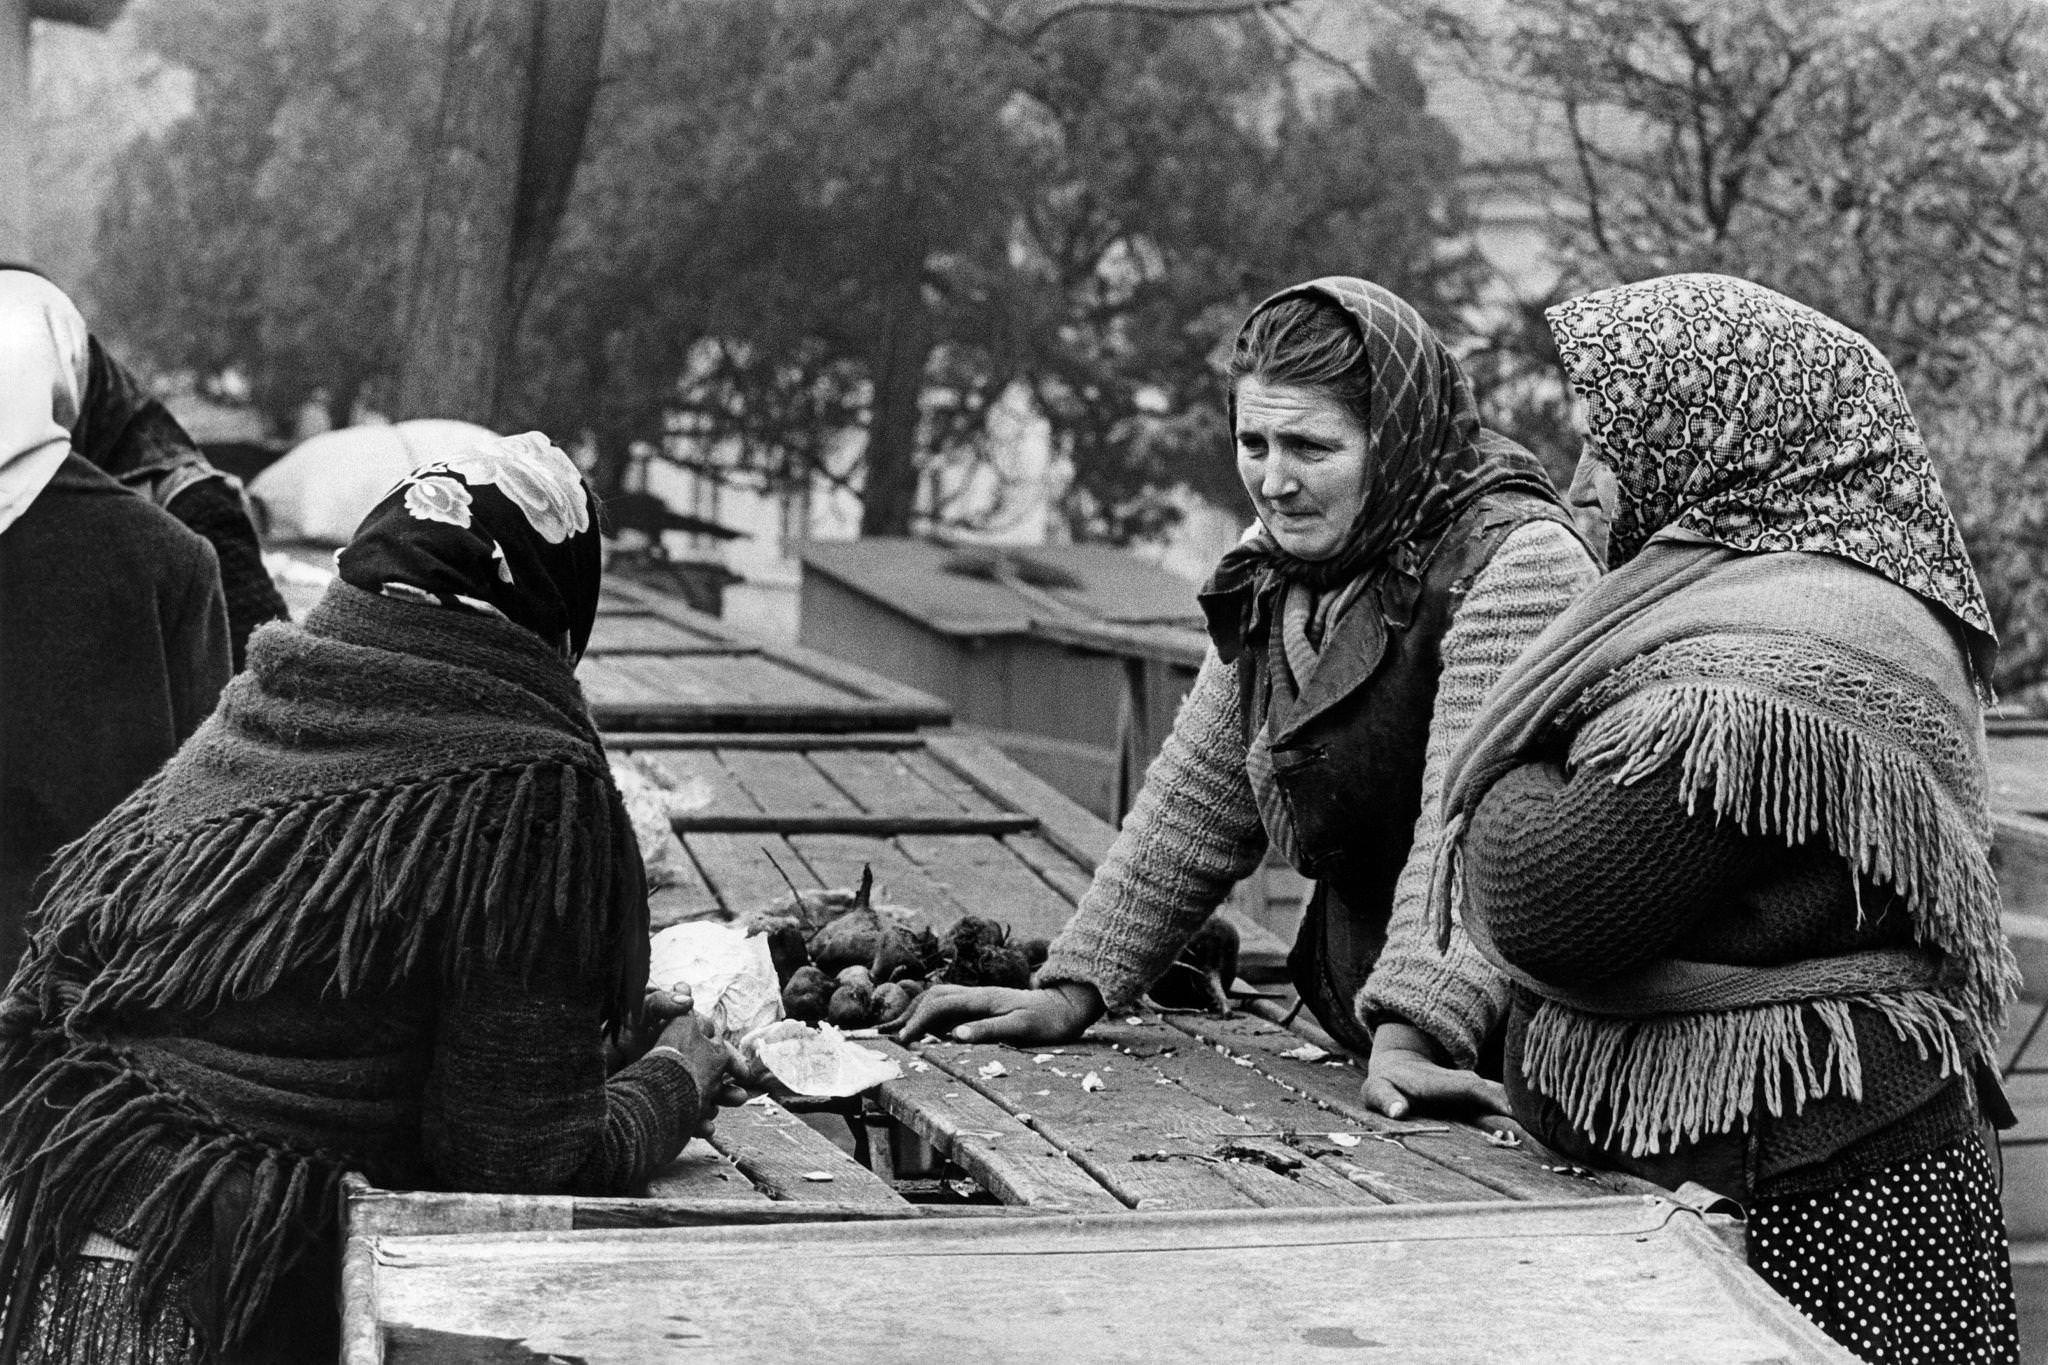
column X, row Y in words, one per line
column 1005, row 1156
column 700, row 1171
column 776, row 1150
column 696, row 770
column 882, row 781
column 836, row 860
column 903, row 707
column 1458, row 1147
column 685, row 679
column 1375, row 1163
column 1077, row 833
column 739, row 872
column 636, row 632
column 986, row 876
column 882, row 824
column 785, row 782
column 948, row 780
column 610, row 689
column 1149, row 1143
column 1067, row 877
column 1065, row 825
column 1614, row 1282
column 904, row 741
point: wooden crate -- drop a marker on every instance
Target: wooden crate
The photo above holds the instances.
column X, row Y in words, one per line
column 654, row 664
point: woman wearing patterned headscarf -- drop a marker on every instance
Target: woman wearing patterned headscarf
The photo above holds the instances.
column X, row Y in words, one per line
column 1725, row 824
column 1403, row 556
column 377, row 914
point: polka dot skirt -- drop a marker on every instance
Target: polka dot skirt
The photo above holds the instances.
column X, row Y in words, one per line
column 1907, row 1265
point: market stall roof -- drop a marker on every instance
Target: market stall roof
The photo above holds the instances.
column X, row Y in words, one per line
column 1001, row 590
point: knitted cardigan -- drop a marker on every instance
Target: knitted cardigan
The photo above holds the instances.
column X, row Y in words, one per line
column 1195, row 828
column 373, row 916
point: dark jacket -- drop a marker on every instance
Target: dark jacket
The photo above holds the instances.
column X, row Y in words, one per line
column 113, row 647
column 126, row 432
column 1348, row 760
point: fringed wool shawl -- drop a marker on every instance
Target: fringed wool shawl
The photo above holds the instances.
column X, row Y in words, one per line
column 391, row 793
column 1802, row 696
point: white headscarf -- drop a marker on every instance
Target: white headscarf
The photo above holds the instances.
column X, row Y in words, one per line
column 42, row 385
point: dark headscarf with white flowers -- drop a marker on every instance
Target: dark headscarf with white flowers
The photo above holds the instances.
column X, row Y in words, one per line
column 504, row 528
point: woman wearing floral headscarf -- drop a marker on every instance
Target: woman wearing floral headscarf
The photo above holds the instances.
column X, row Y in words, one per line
column 1725, row 823
column 1404, row 556
column 377, row 914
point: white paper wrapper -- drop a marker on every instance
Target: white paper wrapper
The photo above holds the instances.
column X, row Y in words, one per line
column 820, row 1062
column 729, row 974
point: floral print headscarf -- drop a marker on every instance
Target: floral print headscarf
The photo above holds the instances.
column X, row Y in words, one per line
column 504, row 528
column 1730, row 411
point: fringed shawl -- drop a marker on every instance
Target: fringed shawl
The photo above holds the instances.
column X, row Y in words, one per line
column 390, row 790
column 1801, row 696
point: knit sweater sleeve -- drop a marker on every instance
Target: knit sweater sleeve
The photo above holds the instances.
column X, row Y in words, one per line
column 1577, row 878
column 517, row 1099
column 1456, row 996
column 1191, row 835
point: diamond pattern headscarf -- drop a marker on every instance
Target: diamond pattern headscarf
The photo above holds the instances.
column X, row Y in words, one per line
column 1732, row 412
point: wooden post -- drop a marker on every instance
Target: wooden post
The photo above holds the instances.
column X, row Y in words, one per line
column 16, row 193
column 517, row 88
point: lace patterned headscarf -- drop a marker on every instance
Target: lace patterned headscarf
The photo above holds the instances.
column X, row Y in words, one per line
column 1732, row 412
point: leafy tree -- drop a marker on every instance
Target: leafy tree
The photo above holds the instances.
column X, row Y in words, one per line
column 827, row 238
column 1886, row 163
column 897, row 218
column 261, row 240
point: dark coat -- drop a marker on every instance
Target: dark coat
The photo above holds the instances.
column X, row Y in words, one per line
column 113, row 647
column 1348, row 759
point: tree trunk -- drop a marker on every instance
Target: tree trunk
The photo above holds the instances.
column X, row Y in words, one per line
column 889, row 493
column 515, row 99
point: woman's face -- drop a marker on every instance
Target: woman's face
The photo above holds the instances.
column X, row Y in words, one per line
column 1592, row 498
column 1302, row 457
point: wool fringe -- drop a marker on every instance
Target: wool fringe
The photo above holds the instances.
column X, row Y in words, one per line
column 1776, row 767
column 72, row 1134
column 1654, row 1084
column 227, row 910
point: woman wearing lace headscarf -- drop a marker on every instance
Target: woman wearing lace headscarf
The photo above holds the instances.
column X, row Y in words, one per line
column 113, row 635
column 376, row 915
column 1404, row 555
column 1725, row 824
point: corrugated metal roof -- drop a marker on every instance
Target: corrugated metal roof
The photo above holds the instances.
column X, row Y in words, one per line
column 1097, row 583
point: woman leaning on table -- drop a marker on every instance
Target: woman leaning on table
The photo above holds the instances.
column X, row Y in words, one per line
column 1404, row 556
column 1725, row 823
column 377, row 914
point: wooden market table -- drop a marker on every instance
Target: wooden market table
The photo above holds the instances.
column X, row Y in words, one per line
column 1171, row 1187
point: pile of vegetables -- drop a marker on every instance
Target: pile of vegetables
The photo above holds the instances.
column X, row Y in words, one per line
column 845, row 960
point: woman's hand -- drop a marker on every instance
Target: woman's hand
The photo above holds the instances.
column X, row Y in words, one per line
column 711, row 1064
column 1058, row 1013
column 1404, row 1074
